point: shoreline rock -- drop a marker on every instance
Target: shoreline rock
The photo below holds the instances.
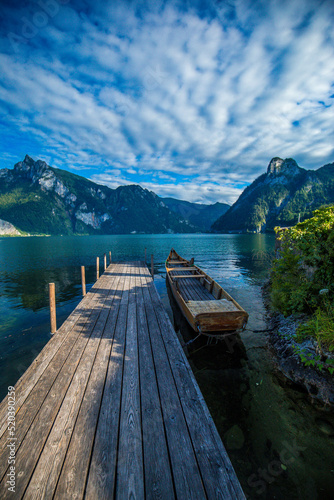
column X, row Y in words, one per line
column 282, row 342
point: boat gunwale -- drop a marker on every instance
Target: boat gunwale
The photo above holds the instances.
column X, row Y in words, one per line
column 194, row 320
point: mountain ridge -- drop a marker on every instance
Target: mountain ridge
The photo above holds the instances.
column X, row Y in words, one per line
column 279, row 197
column 199, row 214
column 37, row 198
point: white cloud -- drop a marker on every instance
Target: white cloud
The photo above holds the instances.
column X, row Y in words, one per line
column 176, row 93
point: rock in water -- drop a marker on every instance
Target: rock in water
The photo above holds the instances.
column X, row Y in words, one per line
column 234, row 438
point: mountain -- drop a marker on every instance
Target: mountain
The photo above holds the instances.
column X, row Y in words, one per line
column 37, row 198
column 278, row 197
column 200, row 215
column 7, row 229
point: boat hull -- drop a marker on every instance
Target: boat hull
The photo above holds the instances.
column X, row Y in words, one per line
column 203, row 316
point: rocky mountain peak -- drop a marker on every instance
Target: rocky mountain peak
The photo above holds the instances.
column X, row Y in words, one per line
column 39, row 172
column 30, row 167
column 59, row 202
column 278, row 198
column 274, row 165
column 25, row 165
column 278, row 166
column 28, row 160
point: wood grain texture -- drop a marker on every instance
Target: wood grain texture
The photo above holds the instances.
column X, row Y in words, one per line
column 111, row 409
column 102, row 473
column 186, row 474
column 27, row 381
column 157, row 467
column 40, row 390
column 41, row 422
column 130, row 473
column 47, row 471
column 197, row 287
column 72, row 479
column 217, row 471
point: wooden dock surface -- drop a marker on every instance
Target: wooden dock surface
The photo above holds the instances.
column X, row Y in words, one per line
column 110, row 407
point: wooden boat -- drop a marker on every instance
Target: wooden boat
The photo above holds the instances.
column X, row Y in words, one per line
column 205, row 304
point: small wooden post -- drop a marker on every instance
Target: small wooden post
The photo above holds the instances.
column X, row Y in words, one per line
column 109, row 257
column 145, row 256
column 105, row 261
column 83, row 280
column 97, row 267
column 152, row 266
column 52, row 300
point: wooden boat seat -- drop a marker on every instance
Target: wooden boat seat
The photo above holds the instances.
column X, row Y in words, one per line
column 186, row 276
column 177, row 262
column 203, row 302
column 183, row 268
column 211, row 306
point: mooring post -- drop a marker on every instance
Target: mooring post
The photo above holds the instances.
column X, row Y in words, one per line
column 152, row 266
column 145, row 257
column 52, row 301
column 97, row 267
column 105, row 261
column 109, row 257
column 83, row 280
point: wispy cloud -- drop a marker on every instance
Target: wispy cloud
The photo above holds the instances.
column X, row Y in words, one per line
column 188, row 100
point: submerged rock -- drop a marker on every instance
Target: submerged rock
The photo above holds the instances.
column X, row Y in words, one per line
column 325, row 427
column 234, row 438
column 282, row 339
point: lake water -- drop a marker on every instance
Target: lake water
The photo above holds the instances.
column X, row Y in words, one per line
column 259, row 414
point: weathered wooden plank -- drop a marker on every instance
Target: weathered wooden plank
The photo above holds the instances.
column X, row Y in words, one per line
column 181, row 261
column 45, row 476
column 218, row 475
column 28, row 380
column 35, row 438
column 157, row 469
column 130, row 474
column 191, row 289
column 182, row 268
column 187, row 276
column 118, row 413
column 102, row 472
column 73, row 475
column 196, row 290
column 66, row 334
column 200, row 289
column 188, row 291
column 186, row 474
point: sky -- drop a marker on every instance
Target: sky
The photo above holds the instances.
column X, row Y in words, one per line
column 189, row 99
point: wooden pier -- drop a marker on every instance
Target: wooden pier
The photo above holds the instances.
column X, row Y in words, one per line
column 110, row 407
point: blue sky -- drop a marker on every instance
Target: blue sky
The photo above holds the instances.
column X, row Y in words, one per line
column 190, row 99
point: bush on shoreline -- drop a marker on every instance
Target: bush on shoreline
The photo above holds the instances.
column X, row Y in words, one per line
column 302, row 278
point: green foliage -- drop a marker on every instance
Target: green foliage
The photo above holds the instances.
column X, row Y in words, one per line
column 320, row 326
column 306, row 264
column 317, row 361
column 32, row 210
column 302, row 279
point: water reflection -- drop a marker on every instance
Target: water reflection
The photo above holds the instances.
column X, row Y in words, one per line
column 274, row 435
column 29, row 289
column 255, row 409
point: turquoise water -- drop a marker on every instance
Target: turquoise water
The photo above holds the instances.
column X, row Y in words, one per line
column 257, row 412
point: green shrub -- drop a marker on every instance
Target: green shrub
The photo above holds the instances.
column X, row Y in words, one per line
column 320, row 326
column 305, row 266
column 302, row 280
